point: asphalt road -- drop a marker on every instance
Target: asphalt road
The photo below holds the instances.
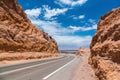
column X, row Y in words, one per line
column 51, row 69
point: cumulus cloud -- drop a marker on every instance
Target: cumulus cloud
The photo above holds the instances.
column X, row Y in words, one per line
column 71, row 2
column 81, row 16
column 51, row 27
column 63, row 35
column 78, row 17
column 55, row 28
column 49, row 13
column 77, row 28
column 33, row 13
column 73, row 42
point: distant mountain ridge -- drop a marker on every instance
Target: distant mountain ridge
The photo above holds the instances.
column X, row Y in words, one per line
column 17, row 33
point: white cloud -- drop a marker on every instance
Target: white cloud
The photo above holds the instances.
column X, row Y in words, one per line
column 81, row 16
column 75, row 28
column 51, row 27
column 70, row 2
column 34, row 13
column 78, row 17
column 55, row 28
column 49, row 13
column 63, row 35
column 73, row 42
column 92, row 21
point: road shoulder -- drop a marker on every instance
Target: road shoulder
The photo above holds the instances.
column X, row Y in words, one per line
column 84, row 70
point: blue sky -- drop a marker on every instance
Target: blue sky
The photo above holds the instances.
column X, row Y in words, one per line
column 72, row 23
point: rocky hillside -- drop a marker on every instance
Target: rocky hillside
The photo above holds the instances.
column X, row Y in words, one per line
column 83, row 51
column 17, row 33
column 105, row 47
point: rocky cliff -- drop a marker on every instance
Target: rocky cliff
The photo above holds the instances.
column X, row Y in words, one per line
column 17, row 33
column 105, row 47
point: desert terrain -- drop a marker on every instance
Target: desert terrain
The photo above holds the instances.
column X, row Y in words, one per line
column 29, row 53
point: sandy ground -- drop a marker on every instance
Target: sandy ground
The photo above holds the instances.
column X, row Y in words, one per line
column 20, row 57
column 84, row 70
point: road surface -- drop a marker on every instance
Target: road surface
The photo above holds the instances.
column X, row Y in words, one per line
column 52, row 69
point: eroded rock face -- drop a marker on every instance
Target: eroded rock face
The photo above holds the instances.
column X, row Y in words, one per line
column 17, row 33
column 105, row 47
column 82, row 51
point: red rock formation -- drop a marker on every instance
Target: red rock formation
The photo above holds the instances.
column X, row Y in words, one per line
column 17, row 33
column 105, row 47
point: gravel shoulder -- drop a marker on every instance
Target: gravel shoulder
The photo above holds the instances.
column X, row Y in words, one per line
column 84, row 70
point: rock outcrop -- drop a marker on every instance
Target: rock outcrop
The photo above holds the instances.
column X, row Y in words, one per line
column 105, row 47
column 17, row 33
column 83, row 51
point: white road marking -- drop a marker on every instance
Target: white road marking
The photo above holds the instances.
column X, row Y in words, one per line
column 58, row 70
column 11, row 71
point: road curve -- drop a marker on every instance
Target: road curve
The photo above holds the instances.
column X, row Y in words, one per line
column 36, row 70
